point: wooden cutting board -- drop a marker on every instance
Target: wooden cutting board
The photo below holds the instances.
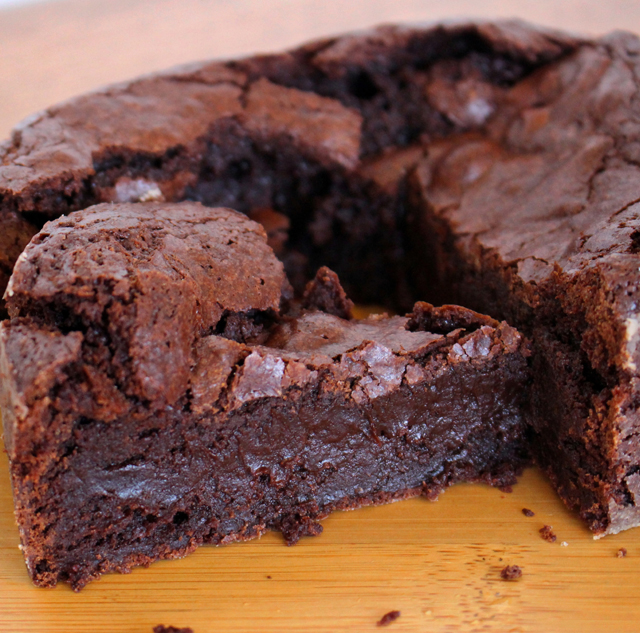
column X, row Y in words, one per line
column 438, row 563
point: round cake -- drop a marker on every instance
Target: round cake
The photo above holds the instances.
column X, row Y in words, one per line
column 493, row 165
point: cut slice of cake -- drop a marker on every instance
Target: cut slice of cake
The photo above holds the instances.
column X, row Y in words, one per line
column 159, row 392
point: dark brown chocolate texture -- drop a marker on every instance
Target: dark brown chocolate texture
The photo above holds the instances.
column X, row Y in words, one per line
column 325, row 293
column 511, row 572
column 138, row 429
column 547, row 533
column 388, row 618
column 491, row 165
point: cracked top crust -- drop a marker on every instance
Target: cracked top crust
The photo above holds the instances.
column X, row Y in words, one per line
column 62, row 148
column 548, row 188
column 552, row 177
column 531, row 140
column 154, row 275
column 133, row 303
column 362, row 106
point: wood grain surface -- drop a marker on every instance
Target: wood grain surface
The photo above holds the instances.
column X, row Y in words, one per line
column 438, row 563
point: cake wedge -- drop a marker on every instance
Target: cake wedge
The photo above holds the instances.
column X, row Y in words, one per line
column 161, row 390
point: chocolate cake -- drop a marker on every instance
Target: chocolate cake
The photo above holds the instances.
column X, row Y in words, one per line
column 162, row 391
column 491, row 165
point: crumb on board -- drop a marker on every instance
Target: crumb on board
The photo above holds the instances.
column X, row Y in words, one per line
column 528, row 513
column 511, row 572
column 546, row 531
column 161, row 628
column 388, row 618
column 622, row 552
column 564, row 544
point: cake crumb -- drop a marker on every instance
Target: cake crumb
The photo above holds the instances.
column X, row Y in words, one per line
column 564, row 544
column 161, row 628
column 528, row 513
column 388, row 618
column 268, row 577
column 511, row 572
column 547, row 534
column 622, row 552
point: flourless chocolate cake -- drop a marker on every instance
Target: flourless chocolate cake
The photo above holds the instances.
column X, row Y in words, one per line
column 491, row 165
column 159, row 394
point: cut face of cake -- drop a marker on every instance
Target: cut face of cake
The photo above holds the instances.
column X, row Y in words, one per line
column 535, row 220
column 159, row 393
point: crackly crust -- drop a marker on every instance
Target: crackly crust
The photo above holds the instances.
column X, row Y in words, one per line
column 330, row 107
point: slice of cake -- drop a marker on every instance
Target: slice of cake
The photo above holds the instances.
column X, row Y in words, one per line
column 158, row 393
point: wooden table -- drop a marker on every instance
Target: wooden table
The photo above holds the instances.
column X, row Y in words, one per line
column 438, row 563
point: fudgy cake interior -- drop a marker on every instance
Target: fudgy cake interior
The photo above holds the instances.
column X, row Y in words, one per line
column 141, row 423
